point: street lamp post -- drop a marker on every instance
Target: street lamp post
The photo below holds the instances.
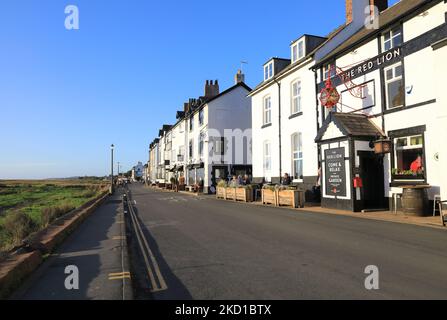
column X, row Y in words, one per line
column 111, row 178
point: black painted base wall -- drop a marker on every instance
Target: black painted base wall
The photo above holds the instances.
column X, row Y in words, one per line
column 337, row 204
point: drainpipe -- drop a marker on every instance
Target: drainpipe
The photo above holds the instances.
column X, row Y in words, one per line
column 279, row 126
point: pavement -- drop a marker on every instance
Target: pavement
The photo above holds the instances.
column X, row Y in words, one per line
column 98, row 249
column 211, row 249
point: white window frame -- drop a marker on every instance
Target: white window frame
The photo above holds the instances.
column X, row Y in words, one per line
column 267, row 157
column 297, row 97
column 387, row 81
column 201, row 116
column 191, row 149
column 201, row 148
column 268, row 71
column 409, row 146
column 191, row 124
column 327, row 71
column 297, row 154
column 296, row 48
column 392, row 36
column 267, row 110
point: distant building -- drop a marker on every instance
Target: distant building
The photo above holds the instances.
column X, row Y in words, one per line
column 137, row 172
column 210, row 140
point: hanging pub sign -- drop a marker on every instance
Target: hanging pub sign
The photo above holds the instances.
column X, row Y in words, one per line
column 335, row 172
column 382, row 146
column 329, row 96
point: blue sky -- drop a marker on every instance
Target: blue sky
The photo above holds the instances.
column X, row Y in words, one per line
column 65, row 96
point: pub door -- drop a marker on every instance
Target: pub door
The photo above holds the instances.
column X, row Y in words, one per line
column 372, row 174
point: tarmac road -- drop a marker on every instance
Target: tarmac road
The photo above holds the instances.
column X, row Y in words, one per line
column 211, row 249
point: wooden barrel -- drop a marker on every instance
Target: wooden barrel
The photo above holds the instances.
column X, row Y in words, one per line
column 413, row 201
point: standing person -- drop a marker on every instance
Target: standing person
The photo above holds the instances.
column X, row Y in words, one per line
column 317, row 187
column 286, row 181
column 246, row 181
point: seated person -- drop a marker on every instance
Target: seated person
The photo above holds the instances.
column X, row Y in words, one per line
column 234, row 182
column 416, row 165
column 286, row 181
column 246, row 181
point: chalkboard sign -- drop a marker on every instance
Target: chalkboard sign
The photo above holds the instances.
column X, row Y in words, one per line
column 335, row 172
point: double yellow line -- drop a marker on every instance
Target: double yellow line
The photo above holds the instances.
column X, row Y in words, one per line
column 119, row 275
column 158, row 283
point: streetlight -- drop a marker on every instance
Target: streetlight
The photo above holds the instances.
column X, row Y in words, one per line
column 111, row 178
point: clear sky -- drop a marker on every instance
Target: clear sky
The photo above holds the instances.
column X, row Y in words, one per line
column 65, row 96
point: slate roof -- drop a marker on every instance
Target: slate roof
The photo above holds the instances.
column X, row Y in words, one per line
column 351, row 125
column 297, row 64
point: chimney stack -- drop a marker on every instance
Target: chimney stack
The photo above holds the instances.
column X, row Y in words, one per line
column 348, row 12
column 239, row 77
column 211, row 89
column 356, row 10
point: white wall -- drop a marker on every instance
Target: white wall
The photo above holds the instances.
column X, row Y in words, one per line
column 424, row 72
column 260, row 135
column 306, row 123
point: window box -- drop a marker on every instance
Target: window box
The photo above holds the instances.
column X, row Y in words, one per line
column 408, row 177
column 291, row 198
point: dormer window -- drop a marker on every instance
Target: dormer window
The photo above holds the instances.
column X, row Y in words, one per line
column 297, row 51
column 268, row 71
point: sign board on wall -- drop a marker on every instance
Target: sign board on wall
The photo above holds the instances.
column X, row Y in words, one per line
column 335, row 172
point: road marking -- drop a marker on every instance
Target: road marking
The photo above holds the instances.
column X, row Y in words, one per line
column 118, row 238
column 152, row 267
column 120, row 222
column 119, row 275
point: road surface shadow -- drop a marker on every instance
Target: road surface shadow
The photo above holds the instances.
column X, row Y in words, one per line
column 141, row 282
column 81, row 249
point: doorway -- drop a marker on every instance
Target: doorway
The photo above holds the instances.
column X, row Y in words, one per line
column 372, row 174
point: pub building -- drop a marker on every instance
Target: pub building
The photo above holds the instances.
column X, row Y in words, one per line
column 381, row 115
